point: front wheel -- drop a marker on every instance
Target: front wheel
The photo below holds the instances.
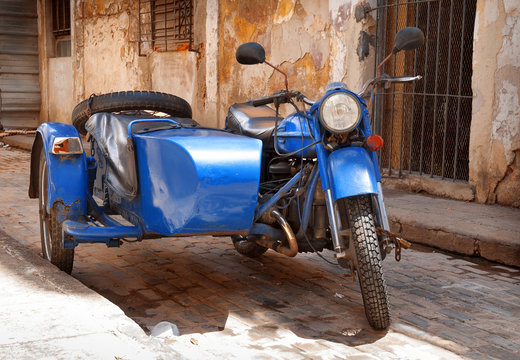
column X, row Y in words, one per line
column 50, row 228
column 370, row 270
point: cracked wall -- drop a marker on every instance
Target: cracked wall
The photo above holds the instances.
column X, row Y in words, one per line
column 495, row 128
column 105, row 58
column 314, row 42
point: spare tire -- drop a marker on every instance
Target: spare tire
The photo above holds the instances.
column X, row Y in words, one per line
column 129, row 100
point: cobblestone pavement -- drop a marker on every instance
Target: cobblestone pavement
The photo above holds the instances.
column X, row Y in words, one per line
column 443, row 306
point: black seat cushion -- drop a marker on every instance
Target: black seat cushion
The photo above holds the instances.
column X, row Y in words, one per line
column 257, row 122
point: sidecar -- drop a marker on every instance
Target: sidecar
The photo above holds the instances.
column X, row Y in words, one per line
column 143, row 177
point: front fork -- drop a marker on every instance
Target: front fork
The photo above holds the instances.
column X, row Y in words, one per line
column 334, row 220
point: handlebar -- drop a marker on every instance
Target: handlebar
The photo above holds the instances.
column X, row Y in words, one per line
column 280, row 97
column 283, row 96
column 388, row 79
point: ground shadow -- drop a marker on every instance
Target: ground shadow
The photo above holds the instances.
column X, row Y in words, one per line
column 197, row 286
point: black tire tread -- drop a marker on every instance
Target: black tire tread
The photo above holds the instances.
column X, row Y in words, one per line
column 62, row 258
column 370, row 270
column 130, row 100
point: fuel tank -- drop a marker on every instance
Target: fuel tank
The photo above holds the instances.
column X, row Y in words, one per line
column 293, row 134
column 195, row 181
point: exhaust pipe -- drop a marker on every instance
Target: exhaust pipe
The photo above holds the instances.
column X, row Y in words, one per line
column 276, row 245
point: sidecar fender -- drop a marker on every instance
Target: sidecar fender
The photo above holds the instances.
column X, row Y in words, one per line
column 67, row 175
column 351, row 172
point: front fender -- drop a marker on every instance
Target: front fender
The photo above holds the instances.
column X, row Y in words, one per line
column 351, row 172
column 67, row 175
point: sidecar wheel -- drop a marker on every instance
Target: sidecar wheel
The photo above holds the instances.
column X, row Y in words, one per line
column 247, row 247
column 50, row 228
column 130, row 100
column 370, row 270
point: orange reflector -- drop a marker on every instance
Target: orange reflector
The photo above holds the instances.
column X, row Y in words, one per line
column 61, row 147
column 67, row 145
column 374, row 142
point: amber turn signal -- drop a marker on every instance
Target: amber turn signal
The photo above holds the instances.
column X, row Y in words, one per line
column 66, row 146
column 374, row 142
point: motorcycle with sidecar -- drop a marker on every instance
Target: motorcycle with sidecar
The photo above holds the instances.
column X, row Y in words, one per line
column 303, row 183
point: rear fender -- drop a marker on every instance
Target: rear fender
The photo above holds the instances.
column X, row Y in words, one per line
column 67, row 175
column 351, row 172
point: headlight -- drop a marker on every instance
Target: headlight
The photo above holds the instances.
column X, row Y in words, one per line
column 340, row 112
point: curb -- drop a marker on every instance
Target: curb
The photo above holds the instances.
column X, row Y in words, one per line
column 496, row 250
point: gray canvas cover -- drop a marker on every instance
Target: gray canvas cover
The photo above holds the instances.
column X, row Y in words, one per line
column 111, row 134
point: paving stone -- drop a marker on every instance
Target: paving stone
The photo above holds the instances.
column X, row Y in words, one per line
column 420, row 322
column 150, row 294
column 498, row 353
column 456, row 315
column 506, row 344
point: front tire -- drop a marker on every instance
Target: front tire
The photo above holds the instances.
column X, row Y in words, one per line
column 370, row 270
column 50, row 228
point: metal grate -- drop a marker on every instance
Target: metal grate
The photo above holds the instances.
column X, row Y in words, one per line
column 426, row 125
column 165, row 25
column 61, row 17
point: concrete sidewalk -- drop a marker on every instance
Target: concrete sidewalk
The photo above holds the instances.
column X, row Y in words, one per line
column 47, row 314
column 489, row 231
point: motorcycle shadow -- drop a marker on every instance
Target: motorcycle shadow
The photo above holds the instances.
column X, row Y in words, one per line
column 202, row 285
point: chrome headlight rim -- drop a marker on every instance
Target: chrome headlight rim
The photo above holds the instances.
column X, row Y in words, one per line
column 353, row 125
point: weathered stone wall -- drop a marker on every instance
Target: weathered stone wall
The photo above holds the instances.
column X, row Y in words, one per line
column 105, row 58
column 495, row 125
column 314, row 42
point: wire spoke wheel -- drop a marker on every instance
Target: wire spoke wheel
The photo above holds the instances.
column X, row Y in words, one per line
column 370, row 270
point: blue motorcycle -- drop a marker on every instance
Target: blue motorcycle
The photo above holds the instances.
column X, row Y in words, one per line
column 303, row 183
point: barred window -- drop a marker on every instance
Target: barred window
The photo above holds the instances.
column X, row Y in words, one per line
column 165, row 25
column 60, row 17
column 61, row 27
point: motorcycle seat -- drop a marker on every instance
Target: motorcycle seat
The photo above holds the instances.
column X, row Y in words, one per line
column 257, row 122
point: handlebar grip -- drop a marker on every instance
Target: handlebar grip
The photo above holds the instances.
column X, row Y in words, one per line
column 262, row 100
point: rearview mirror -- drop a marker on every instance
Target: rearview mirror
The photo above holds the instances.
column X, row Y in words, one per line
column 409, row 38
column 250, row 53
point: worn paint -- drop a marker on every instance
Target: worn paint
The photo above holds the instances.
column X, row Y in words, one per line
column 495, row 128
column 284, row 11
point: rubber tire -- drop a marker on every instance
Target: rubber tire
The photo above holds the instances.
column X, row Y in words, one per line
column 370, row 270
column 130, row 100
column 246, row 247
column 50, row 228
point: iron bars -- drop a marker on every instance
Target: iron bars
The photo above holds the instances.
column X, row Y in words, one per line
column 426, row 125
column 165, row 25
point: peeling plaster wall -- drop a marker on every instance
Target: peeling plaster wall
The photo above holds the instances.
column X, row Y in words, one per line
column 106, row 54
column 55, row 73
column 495, row 128
column 344, row 38
column 60, row 100
column 314, row 42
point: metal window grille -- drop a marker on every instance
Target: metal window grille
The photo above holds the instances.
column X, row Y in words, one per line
column 61, row 17
column 426, row 125
column 165, row 25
